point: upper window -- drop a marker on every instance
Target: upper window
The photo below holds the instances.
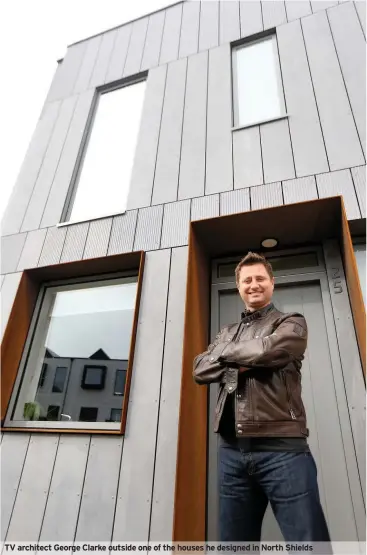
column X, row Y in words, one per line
column 82, row 334
column 104, row 175
column 360, row 254
column 257, row 89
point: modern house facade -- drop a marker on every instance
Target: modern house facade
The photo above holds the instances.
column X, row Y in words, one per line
column 166, row 149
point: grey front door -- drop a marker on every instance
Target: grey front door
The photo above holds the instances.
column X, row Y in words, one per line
column 331, row 439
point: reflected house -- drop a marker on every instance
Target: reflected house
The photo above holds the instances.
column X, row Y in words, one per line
column 81, row 389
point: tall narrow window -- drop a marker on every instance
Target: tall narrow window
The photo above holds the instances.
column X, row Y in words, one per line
column 104, row 176
column 257, row 87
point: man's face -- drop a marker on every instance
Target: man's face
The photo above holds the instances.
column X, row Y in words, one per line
column 255, row 286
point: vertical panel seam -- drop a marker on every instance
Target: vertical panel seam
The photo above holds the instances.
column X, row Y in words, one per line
column 345, row 85
column 49, row 487
column 179, row 38
column 197, row 50
column 43, row 159
column 359, row 19
column 86, row 238
column 82, row 488
column 314, row 92
column 43, row 244
column 16, row 494
column 219, row 2
column 117, row 488
column 262, row 15
column 127, row 50
column 20, row 254
column 110, row 56
column 145, row 42
column 355, row 192
column 160, row 393
column 159, row 134
column 160, row 46
column 182, row 127
column 286, row 13
column 95, row 62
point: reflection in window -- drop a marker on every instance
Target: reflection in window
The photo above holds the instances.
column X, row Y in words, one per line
column 53, row 412
column 88, row 414
column 43, row 375
column 116, row 415
column 257, row 85
column 360, row 254
column 83, row 336
column 120, row 382
column 104, row 177
column 59, row 379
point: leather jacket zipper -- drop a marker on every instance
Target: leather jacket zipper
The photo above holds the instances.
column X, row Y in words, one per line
column 290, row 409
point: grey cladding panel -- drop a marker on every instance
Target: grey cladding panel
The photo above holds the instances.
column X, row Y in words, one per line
column 219, row 120
column 95, row 520
column 339, row 183
column 265, row 196
column 166, row 452
column 276, row 151
column 205, row 207
column 27, row 176
column 307, row 140
column 11, row 249
column 359, row 179
column 61, row 183
column 123, row 233
column 148, row 228
column 361, row 10
column 118, row 57
column 341, row 138
column 209, row 24
column 8, row 291
column 61, row 514
column 47, row 173
column 273, row 13
column 171, row 34
column 247, row 159
column 351, row 48
column 192, row 164
column 88, row 63
column 142, row 177
column 136, row 46
column 103, row 58
column 251, row 17
column 65, row 79
column 13, row 452
column 319, row 5
column 32, row 249
column 235, row 202
column 168, row 157
column 299, row 190
column 76, row 237
column 26, row 520
column 52, row 247
column 189, row 41
column 133, row 508
column 176, row 220
column 229, row 20
column 98, row 238
column 153, row 40
column 297, row 9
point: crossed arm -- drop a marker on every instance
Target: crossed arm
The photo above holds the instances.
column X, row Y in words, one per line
column 287, row 343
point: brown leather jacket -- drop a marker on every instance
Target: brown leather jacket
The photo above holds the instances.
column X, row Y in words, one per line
column 269, row 346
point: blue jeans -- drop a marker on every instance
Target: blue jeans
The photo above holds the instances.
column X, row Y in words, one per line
column 288, row 480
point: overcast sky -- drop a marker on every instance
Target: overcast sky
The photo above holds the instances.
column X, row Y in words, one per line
column 34, row 34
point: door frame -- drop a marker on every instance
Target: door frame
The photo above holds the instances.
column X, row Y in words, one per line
column 350, row 420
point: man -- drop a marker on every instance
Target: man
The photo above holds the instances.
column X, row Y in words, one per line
column 263, row 454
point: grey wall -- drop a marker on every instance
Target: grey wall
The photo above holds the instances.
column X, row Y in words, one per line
column 190, row 164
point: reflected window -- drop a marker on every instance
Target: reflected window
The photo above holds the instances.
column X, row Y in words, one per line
column 120, row 382
column 53, row 412
column 83, row 336
column 360, row 254
column 257, row 92
column 104, row 175
column 59, row 379
column 43, row 375
column 116, row 415
column 88, row 414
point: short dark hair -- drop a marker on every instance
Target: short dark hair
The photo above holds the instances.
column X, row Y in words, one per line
column 250, row 259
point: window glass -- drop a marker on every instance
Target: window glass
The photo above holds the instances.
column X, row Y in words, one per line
column 257, row 82
column 104, row 178
column 83, row 336
column 116, row 415
column 360, row 254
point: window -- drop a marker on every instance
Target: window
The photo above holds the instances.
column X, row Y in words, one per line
column 94, row 377
column 257, row 87
column 360, row 254
column 43, row 375
column 116, row 415
column 88, row 414
column 104, row 175
column 59, row 379
column 83, row 330
column 120, row 382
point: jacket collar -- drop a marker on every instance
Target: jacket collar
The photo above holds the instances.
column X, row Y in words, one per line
column 250, row 316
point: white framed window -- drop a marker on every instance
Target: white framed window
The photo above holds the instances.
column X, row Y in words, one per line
column 103, row 179
column 81, row 333
column 257, row 85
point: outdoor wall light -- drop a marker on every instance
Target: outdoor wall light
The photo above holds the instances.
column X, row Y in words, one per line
column 269, row 243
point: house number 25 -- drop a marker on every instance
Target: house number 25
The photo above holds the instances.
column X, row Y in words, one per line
column 337, row 283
